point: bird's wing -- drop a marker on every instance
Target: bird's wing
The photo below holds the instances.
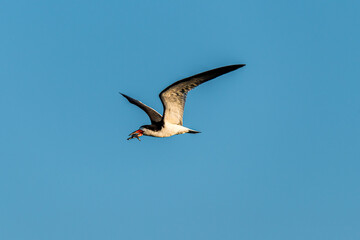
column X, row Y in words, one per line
column 174, row 96
column 154, row 116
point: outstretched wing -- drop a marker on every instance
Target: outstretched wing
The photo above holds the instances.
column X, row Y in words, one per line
column 174, row 96
column 154, row 116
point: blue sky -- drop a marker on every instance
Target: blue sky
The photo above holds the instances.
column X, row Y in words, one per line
column 278, row 156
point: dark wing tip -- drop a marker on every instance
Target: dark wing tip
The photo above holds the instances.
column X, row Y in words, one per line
column 236, row 66
column 131, row 100
column 127, row 97
column 222, row 70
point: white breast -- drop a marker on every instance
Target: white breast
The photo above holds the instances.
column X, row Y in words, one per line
column 168, row 130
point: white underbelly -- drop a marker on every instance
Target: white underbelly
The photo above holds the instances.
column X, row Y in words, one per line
column 168, row 130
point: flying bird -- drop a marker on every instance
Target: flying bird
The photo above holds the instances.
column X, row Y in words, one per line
column 173, row 99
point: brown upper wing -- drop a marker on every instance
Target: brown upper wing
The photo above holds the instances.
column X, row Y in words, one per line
column 174, row 96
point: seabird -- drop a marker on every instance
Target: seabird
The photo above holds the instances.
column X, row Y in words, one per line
column 173, row 99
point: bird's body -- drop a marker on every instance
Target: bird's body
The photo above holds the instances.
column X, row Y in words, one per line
column 173, row 99
column 167, row 130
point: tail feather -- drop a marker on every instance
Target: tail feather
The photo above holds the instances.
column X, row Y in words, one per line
column 193, row 131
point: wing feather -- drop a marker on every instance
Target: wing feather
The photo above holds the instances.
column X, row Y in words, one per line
column 154, row 116
column 174, row 96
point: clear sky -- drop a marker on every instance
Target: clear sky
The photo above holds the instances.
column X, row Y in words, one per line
column 279, row 153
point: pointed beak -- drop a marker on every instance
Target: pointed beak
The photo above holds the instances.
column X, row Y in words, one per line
column 137, row 134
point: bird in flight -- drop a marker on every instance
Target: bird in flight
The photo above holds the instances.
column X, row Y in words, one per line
column 173, row 99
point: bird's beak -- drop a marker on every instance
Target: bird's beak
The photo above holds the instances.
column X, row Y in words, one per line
column 137, row 134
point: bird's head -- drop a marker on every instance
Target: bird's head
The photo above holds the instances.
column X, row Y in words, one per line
column 136, row 134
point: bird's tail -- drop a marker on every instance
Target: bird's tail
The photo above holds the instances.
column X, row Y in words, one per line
column 193, row 131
